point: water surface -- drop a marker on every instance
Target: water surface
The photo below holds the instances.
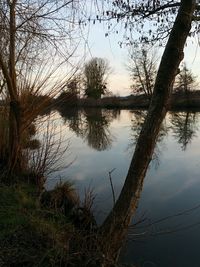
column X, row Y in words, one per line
column 167, row 230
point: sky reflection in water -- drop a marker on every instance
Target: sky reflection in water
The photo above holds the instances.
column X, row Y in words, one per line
column 172, row 184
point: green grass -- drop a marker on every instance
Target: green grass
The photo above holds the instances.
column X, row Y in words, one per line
column 11, row 217
column 29, row 235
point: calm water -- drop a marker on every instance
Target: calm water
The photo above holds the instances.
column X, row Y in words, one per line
column 167, row 231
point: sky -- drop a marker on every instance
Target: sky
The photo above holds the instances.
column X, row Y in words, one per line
column 108, row 47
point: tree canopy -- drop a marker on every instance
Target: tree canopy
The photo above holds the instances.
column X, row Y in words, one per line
column 146, row 21
column 96, row 72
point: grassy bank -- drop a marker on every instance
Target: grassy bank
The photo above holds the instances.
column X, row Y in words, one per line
column 35, row 234
column 30, row 235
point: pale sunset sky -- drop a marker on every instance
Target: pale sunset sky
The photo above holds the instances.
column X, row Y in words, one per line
column 108, row 47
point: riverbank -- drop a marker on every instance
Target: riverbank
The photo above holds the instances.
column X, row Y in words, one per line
column 43, row 230
column 178, row 101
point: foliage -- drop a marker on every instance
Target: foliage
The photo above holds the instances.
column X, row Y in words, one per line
column 96, row 72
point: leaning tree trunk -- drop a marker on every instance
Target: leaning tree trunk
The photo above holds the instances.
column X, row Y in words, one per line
column 114, row 228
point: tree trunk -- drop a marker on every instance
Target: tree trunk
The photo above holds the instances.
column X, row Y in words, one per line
column 15, row 110
column 114, row 228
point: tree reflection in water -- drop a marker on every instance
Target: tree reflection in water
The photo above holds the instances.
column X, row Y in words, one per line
column 96, row 129
column 92, row 125
column 138, row 118
column 184, row 127
column 73, row 117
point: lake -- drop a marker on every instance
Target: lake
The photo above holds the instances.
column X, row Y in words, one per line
column 166, row 226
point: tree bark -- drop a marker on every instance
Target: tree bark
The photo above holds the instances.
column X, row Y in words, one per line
column 114, row 228
column 15, row 109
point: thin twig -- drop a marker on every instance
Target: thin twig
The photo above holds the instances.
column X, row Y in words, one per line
column 111, row 184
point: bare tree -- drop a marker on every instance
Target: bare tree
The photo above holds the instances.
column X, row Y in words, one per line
column 142, row 68
column 185, row 80
column 26, row 27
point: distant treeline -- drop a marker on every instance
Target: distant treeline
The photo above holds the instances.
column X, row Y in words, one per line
column 178, row 100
